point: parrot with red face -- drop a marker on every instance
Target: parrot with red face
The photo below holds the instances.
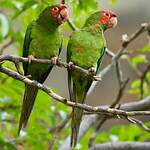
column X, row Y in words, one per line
column 42, row 40
column 86, row 49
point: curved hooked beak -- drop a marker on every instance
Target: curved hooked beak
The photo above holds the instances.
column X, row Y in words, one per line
column 63, row 16
column 114, row 21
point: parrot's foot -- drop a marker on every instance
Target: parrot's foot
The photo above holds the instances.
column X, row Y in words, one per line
column 54, row 60
column 92, row 71
column 70, row 65
column 29, row 76
column 30, row 58
column 97, row 78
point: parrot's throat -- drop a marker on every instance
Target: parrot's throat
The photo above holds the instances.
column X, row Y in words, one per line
column 48, row 23
column 103, row 27
column 45, row 19
column 95, row 29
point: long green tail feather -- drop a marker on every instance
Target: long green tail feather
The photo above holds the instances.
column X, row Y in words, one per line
column 79, row 97
column 75, row 125
column 27, row 105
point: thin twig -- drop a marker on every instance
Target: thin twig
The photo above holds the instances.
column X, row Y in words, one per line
column 122, row 146
column 72, row 25
column 127, row 40
column 109, row 53
column 61, row 125
column 7, row 44
column 120, row 93
column 139, row 123
column 143, row 77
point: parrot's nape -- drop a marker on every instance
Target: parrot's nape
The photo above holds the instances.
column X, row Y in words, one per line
column 42, row 40
column 86, row 49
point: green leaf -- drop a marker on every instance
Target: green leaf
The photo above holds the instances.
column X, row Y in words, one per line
column 135, row 87
column 146, row 48
column 25, row 6
column 5, row 145
column 7, row 4
column 120, row 133
column 138, row 60
column 88, row 4
column 112, row 2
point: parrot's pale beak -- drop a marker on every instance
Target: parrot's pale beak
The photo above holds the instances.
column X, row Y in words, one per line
column 114, row 21
column 63, row 16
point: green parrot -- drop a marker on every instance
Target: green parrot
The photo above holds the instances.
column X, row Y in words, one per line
column 86, row 49
column 42, row 40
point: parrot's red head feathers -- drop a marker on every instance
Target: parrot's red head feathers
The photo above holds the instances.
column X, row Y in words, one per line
column 59, row 13
column 108, row 18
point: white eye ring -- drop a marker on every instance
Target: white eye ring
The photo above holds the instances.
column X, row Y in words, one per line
column 55, row 9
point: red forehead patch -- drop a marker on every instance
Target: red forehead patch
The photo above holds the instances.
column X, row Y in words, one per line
column 61, row 6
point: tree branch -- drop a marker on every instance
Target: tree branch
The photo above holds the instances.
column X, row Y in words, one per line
column 122, row 146
column 143, row 76
column 127, row 40
column 141, row 105
column 61, row 125
column 70, row 66
column 98, row 110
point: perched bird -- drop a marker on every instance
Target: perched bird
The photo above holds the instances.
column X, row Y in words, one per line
column 42, row 40
column 86, row 49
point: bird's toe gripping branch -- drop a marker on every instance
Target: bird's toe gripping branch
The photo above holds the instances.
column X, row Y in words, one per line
column 29, row 76
column 54, row 60
column 97, row 78
column 71, row 65
column 30, row 58
column 92, row 72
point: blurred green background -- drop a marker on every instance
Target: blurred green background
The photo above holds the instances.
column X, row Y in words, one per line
column 15, row 15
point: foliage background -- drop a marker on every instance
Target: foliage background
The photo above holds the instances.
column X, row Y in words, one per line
column 15, row 15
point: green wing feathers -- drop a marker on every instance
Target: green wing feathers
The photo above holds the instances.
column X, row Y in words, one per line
column 99, row 62
column 26, row 45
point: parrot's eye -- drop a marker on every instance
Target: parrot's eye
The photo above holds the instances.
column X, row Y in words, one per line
column 55, row 9
column 107, row 14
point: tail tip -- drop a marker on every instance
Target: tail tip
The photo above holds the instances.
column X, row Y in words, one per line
column 22, row 132
column 74, row 138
